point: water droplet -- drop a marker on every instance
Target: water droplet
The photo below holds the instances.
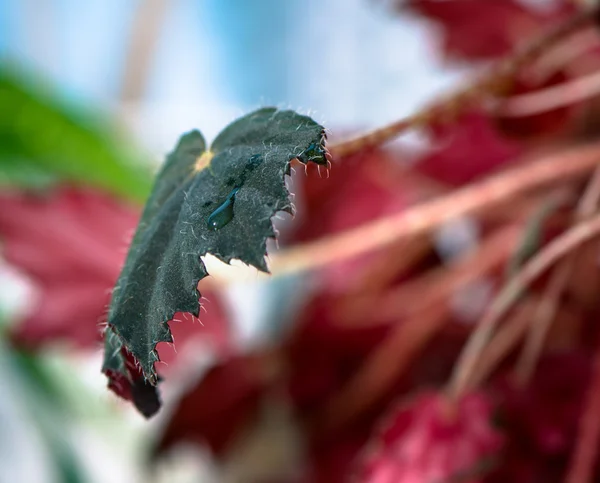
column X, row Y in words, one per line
column 223, row 214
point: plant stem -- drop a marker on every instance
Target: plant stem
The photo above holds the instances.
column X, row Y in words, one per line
column 504, row 341
column 544, row 315
column 435, row 286
column 551, row 98
column 541, row 262
column 492, row 82
column 415, row 327
column 144, row 34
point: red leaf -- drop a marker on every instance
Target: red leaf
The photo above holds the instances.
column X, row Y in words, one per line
column 428, row 440
column 225, row 399
column 545, row 412
column 466, row 149
column 132, row 386
column 585, row 454
column 355, row 191
column 323, row 355
column 540, row 419
column 72, row 244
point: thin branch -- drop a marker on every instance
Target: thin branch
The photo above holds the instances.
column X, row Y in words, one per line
column 418, row 324
column 435, row 286
column 509, row 335
column 478, row 340
column 569, row 51
column 492, row 82
column 551, row 98
column 147, row 23
column 590, row 199
column 424, row 217
column 504, row 341
column 542, row 320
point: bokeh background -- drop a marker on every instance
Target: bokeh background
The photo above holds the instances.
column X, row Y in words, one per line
column 94, row 94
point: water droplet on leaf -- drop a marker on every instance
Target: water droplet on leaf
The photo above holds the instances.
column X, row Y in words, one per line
column 223, row 214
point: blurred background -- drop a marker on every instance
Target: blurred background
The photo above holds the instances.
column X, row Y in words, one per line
column 152, row 70
column 285, row 379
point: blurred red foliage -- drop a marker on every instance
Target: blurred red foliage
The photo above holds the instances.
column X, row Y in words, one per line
column 430, row 439
column 72, row 243
column 467, row 148
column 219, row 407
column 541, row 418
column 377, row 329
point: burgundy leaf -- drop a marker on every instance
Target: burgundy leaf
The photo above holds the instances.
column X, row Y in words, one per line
column 430, row 440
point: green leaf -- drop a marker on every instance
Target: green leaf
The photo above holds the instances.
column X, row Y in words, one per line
column 218, row 201
column 43, row 139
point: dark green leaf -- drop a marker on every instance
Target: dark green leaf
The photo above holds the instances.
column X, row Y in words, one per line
column 43, row 138
column 220, row 202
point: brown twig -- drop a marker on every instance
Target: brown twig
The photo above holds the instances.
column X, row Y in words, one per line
column 555, row 168
column 389, row 265
column 565, row 54
column 504, row 341
column 583, row 461
column 492, row 82
column 145, row 32
column 435, row 286
column 553, row 252
column 421, row 323
column 401, row 256
column 509, row 335
column 551, row 98
column 544, row 315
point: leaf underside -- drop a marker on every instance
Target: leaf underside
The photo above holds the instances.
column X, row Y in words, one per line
column 219, row 201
